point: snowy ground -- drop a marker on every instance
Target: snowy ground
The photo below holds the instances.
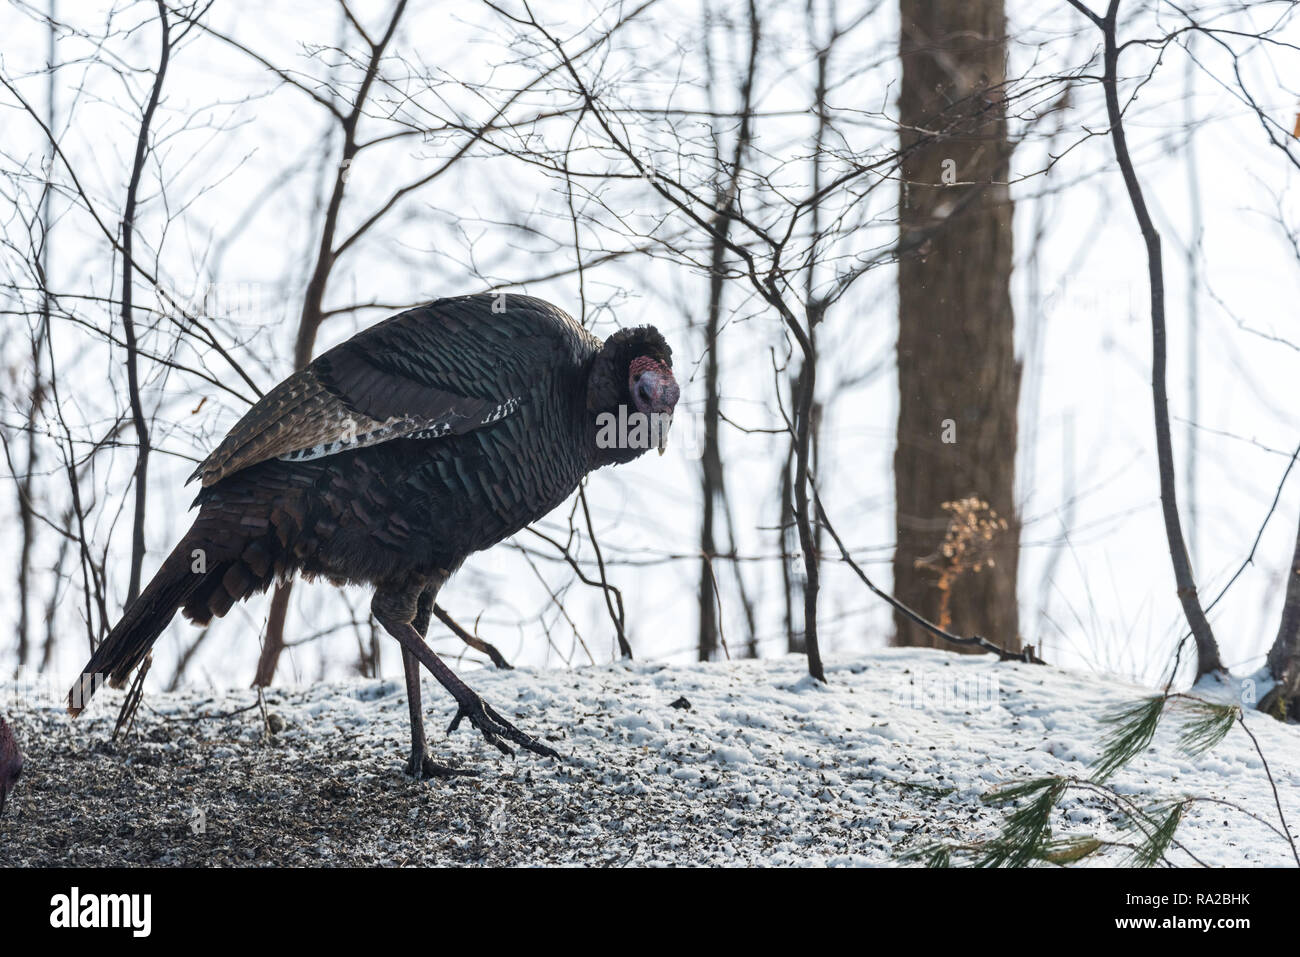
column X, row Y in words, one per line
column 764, row 767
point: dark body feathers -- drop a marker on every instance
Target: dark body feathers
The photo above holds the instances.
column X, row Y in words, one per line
column 392, row 457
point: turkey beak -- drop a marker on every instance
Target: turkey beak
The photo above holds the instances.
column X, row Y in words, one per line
column 668, row 396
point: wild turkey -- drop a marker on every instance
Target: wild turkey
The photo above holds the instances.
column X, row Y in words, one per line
column 11, row 763
column 394, row 456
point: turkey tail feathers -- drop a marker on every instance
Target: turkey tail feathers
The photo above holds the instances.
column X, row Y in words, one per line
column 142, row 622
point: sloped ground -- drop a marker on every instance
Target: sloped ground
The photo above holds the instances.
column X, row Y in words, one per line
column 765, row 767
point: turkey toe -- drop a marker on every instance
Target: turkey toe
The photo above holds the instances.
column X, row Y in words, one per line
column 494, row 727
column 425, row 767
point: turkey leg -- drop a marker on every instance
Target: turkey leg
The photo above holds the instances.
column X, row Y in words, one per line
column 421, row 765
column 390, row 608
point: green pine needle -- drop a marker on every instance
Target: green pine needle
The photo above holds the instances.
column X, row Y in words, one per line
column 1133, row 727
column 1157, row 836
column 936, row 854
column 940, row 856
column 1026, row 835
column 1008, row 793
column 1207, row 724
column 1027, row 831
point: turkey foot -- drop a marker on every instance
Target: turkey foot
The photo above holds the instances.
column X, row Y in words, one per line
column 494, row 727
column 481, row 715
column 423, row 766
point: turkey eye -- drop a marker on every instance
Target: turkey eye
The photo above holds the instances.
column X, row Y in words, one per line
column 643, row 393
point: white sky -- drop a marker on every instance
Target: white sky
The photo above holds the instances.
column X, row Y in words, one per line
column 224, row 133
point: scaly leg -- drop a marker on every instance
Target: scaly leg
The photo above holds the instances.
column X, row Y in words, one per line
column 420, row 764
column 397, row 610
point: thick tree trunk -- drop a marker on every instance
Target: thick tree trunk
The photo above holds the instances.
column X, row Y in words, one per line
column 959, row 381
column 1284, row 657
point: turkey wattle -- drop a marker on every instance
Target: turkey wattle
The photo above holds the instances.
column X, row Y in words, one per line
column 393, row 457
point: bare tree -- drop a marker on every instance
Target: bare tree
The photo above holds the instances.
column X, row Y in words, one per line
column 712, row 484
column 24, row 482
column 1207, row 649
column 139, row 420
column 1283, row 699
column 313, row 309
column 750, row 206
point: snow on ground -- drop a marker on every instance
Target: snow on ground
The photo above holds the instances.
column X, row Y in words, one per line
column 764, row 767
